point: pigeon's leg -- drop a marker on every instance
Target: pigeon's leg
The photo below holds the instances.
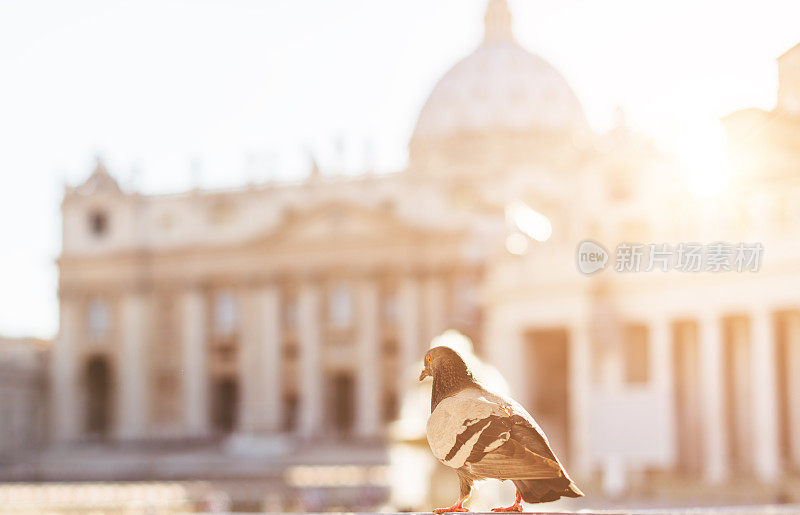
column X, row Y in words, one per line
column 466, row 489
column 517, row 506
column 456, row 507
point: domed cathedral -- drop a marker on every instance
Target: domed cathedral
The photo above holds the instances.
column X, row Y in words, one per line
column 279, row 324
column 256, row 311
column 503, row 125
column 501, row 119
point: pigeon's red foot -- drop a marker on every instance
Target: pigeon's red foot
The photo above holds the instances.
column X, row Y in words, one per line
column 457, row 507
column 516, row 507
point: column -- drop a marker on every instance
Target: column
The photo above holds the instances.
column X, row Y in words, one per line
column 247, row 362
column 740, row 421
column 580, row 402
column 792, row 386
column 435, row 309
column 270, row 381
column 369, row 363
column 64, row 366
column 131, row 367
column 714, row 437
column 408, row 310
column 661, row 370
column 311, row 404
column 765, row 396
column 195, row 377
column 688, row 407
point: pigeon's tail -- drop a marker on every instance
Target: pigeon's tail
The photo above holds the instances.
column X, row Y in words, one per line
column 546, row 490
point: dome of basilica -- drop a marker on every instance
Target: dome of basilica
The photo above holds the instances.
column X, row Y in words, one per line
column 500, row 86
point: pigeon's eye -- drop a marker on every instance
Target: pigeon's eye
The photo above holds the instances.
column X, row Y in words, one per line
column 428, row 358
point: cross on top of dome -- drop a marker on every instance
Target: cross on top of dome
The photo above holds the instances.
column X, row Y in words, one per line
column 497, row 22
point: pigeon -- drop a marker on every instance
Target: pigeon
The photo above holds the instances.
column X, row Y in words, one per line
column 483, row 435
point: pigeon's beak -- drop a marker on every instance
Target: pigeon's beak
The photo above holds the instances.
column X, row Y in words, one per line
column 424, row 373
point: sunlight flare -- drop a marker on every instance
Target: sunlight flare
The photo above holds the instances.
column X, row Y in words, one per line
column 529, row 221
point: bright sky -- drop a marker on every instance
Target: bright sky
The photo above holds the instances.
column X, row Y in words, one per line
column 247, row 87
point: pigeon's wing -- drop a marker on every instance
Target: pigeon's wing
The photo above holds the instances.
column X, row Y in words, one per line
column 526, row 453
column 465, row 425
column 524, row 428
column 489, row 436
column 514, row 459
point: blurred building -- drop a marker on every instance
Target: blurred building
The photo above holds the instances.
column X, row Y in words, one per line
column 280, row 319
column 23, row 397
column 693, row 373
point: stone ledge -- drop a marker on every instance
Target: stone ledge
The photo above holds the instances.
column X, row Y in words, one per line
column 783, row 509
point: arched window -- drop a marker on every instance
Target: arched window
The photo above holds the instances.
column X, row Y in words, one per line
column 225, row 313
column 99, row 319
column 389, row 307
column 290, row 314
column 98, row 223
column 341, row 306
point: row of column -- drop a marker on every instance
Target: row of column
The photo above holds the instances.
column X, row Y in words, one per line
column 368, row 348
column 260, row 357
column 762, row 401
column 260, row 407
column 759, row 411
column 259, row 362
column 260, row 367
column 763, row 398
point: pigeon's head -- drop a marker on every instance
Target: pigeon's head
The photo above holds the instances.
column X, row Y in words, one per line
column 443, row 360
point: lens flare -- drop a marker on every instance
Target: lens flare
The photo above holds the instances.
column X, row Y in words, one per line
column 529, row 221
